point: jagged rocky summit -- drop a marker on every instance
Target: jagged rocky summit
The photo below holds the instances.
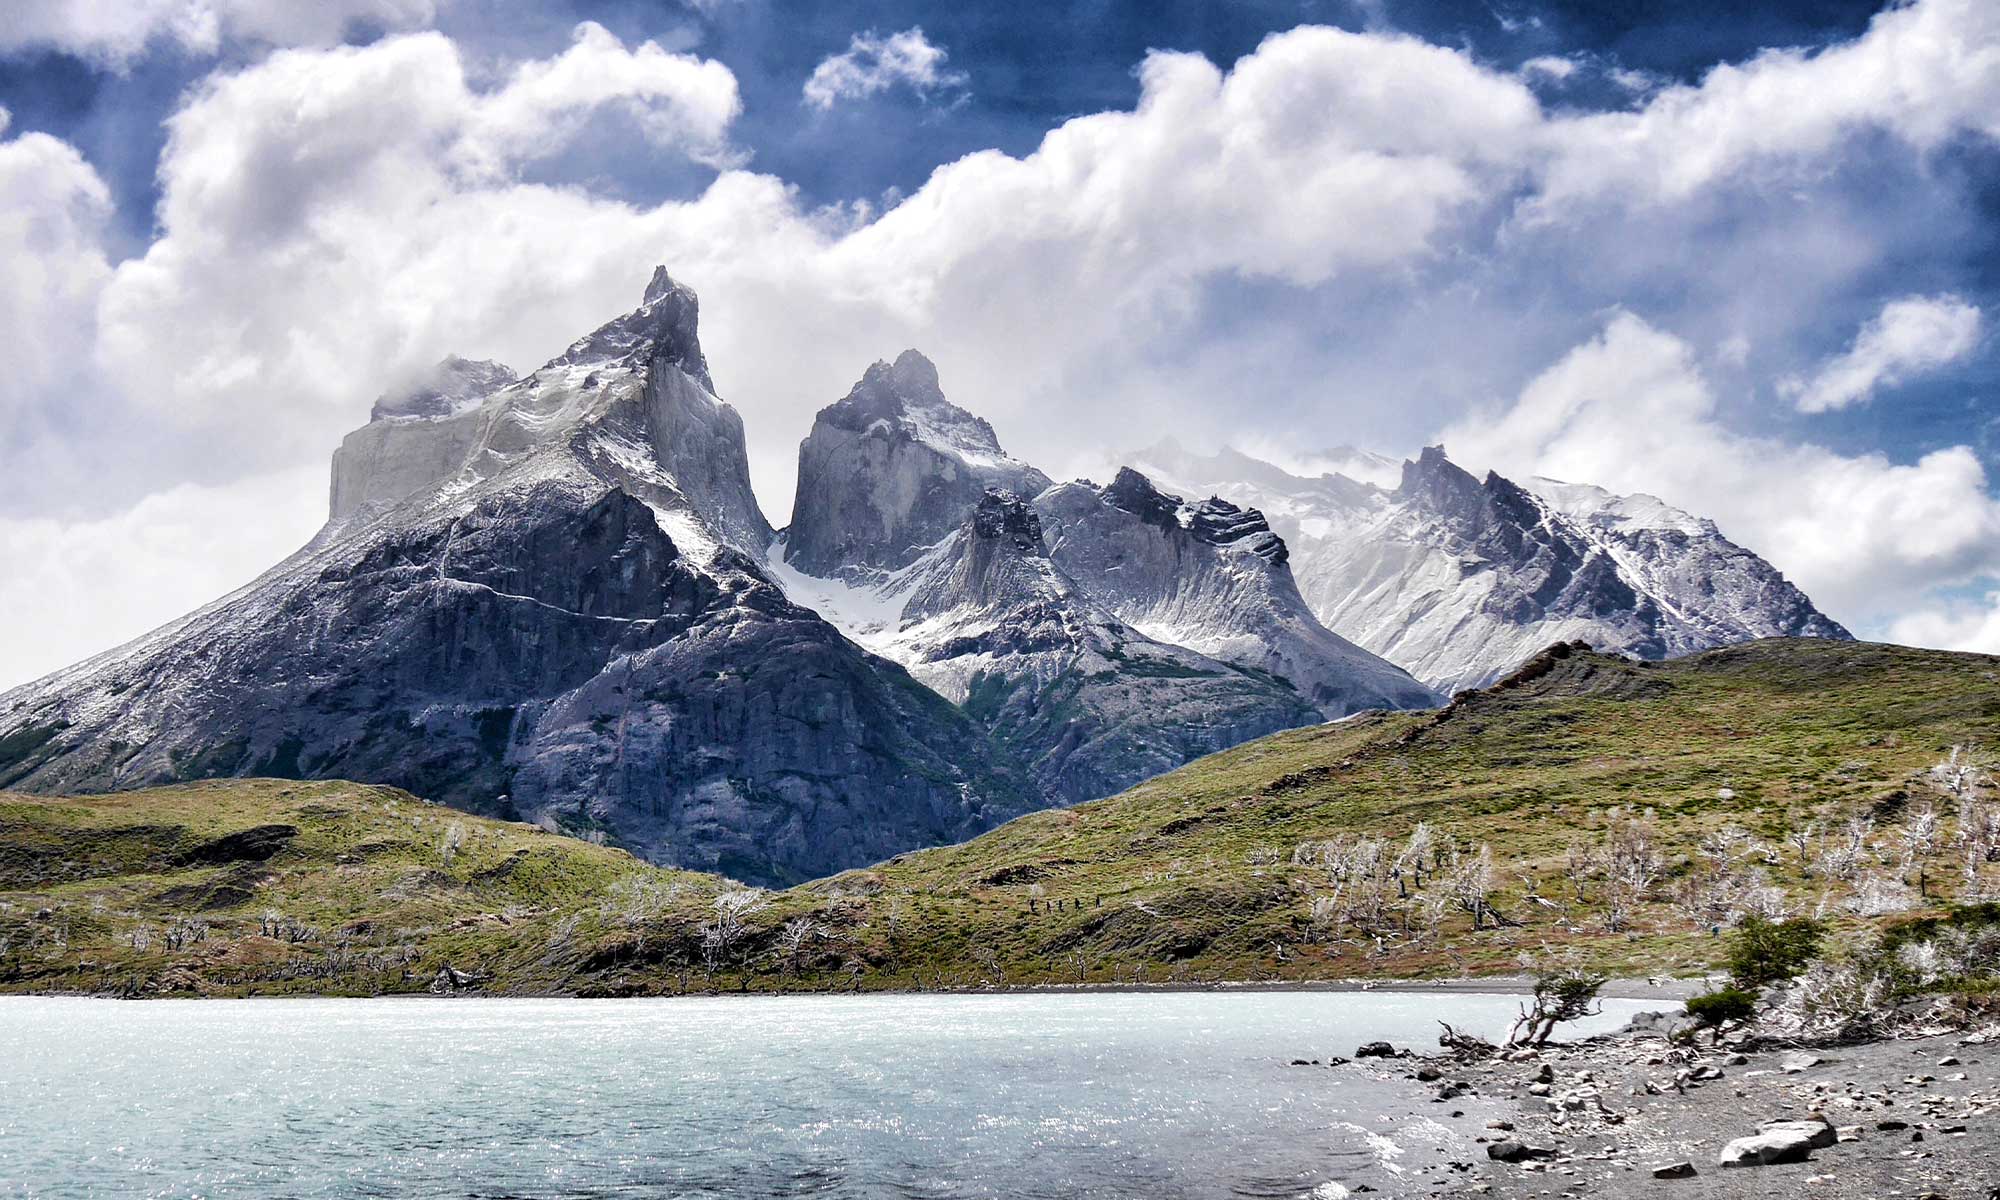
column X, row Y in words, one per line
column 1089, row 703
column 1460, row 579
column 1102, row 634
column 890, row 469
column 544, row 597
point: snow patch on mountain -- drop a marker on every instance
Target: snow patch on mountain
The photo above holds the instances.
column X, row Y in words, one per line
column 1459, row 579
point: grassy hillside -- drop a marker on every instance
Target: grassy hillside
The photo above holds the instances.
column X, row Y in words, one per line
column 271, row 886
column 1628, row 809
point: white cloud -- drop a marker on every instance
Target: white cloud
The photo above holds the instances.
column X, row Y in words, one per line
column 333, row 220
column 1909, row 337
column 68, row 590
column 115, row 31
column 872, row 63
column 1959, row 626
column 53, row 211
column 1922, row 73
column 680, row 101
column 1550, row 66
column 1631, row 411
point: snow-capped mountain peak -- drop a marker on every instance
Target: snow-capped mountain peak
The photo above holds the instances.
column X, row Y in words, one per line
column 1459, row 579
column 545, row 604
column 889, row 469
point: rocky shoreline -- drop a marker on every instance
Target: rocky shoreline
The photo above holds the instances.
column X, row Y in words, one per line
column 1633, row 1115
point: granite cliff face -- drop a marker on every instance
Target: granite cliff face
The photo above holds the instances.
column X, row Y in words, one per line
column 1141, row 633
column 543, row 599
column 1460, row 579
column 889, row 470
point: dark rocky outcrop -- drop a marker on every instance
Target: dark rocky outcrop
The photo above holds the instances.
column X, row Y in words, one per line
column 1089, row 703
column 560, row 623
column 1212, row 577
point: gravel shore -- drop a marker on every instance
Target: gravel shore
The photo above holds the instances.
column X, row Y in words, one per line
column 1914, row 1118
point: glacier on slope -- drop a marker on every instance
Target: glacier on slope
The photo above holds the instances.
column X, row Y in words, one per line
column 1459, row 579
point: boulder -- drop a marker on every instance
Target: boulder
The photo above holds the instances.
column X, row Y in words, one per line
column 1777, row 1142
column 1375, row 1050
column 1512, row 1151
column 1821, row 1133
column 1679, row 1170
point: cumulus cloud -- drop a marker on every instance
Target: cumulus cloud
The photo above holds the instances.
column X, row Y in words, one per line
column 1966, row 625
column 1922, row 73
column 117, row 31
column 873, row 63
column 68, row 590
column 334, row 219
column 53, row 212
column 1908, row 337
column 1631, row 410
column 1337, row 226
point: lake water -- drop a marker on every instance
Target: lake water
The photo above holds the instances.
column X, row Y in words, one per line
column 1111, row 1095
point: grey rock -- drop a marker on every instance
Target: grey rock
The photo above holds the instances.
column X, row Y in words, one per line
column 1375, row 1050
column 1765, row 1149
column 889, row 470
column 1459, row 579
column 567, row 622
column 1779, row 1142
column 1212, row 577
column 1679, row 1170
column 1090, row 704
column 1818, row 1132
column 1511, row 1151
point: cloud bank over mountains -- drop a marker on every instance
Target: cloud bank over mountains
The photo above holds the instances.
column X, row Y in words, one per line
column 1341, row 238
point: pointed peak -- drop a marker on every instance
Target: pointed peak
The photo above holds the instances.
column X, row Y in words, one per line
column 665, row 327
column 1436, row 477
column 660, row 285
column 888, row 388
column 1136, row 494
column 914, row 373
column 904, row 397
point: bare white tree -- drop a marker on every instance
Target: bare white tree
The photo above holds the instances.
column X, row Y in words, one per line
column 1471, row 882
column 793, row 938
column 1920, row 842
column 725, row 930
column 454, row 839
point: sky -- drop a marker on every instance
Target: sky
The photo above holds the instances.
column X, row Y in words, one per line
column 1743, row 261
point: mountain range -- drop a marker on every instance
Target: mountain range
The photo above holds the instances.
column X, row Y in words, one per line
column 1459, row 579
column 555, row 597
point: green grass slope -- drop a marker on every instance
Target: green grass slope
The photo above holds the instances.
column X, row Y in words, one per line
column 266, row 886
column 1627, row 809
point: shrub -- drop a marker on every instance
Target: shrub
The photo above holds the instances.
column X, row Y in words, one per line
column 1957, row 952
column 1565, row 990
column 1762, row 951
column 1728, row 1005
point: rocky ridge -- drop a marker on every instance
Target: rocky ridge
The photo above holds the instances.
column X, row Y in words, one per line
column 1089, row 703
column 1103, row 634
column 553, row 609
column 1458, row 579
